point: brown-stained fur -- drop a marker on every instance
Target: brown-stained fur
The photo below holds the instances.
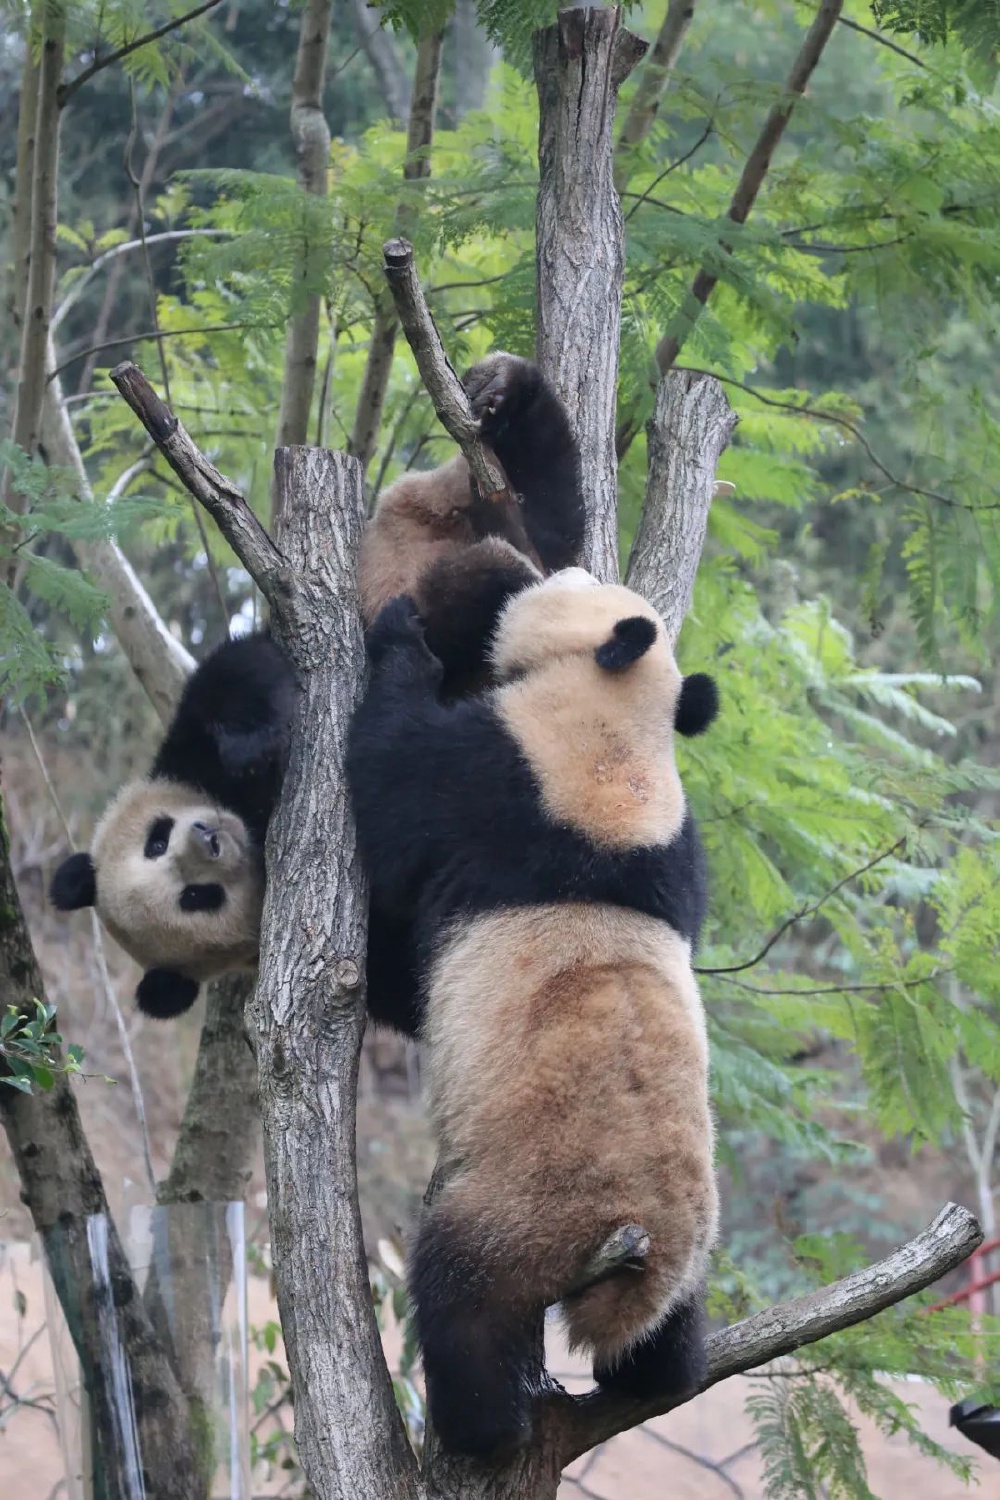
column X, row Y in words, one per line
column 568, row 1078
column 600, row 744
column 419, row 519
column 137, row 898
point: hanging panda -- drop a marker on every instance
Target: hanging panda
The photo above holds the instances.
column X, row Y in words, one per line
column 540, row 838
column 460, row 557
column 176, row 866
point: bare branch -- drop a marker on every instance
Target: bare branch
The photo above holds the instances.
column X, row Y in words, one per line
column 381, row 53
column 955, row 1232
column 419, row 137
column 312, row 155
column 220, row 497
column 160, row 662
column 444, row 386
column 690, row 427
column 168, row 236
column 67, row 90
column 807, row 911
column 148, row 335
column 653, row 81
column 752, row 177
column 580, row 63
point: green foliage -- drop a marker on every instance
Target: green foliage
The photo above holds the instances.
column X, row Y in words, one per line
column 47, row 509
column 31, row 1050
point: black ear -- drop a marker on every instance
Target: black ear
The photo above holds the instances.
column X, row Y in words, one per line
column 74, row 884
column 697, row 705
column 630, row 639
column 163, row 994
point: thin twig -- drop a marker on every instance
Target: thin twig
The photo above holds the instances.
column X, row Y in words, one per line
column 150, row 334
column 67, row 90
column 855, row 431
column 806, row 911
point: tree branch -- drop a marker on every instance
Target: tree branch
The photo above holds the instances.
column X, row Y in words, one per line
column 583, row 1422
column 67, row 90
column 580, row 63
column 689, row 429
column 653, row 81
column 443, row 385
column 220, row 497
column 312, row 155
column 168, row 236
column 752, row 177
column 419, row 138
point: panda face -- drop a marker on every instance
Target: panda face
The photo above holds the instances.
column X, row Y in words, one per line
column 179, row 882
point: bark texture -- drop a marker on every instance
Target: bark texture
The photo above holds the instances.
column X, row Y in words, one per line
column 580, row 63
column 307, row 1016
column 690, row 427
column 312, row 155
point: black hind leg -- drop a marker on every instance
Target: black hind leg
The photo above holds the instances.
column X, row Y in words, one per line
column 670, row 1362
column 480, row 1358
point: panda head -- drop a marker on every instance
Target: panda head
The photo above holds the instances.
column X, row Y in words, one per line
column 177, row 881
column 571, row 616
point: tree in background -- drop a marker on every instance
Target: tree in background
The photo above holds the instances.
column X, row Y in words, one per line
column 785, row 184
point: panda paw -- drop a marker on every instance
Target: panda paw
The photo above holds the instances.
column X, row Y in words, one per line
column 498, row 388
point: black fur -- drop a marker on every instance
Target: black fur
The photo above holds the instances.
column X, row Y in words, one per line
column 229, row 734
column 528, row 428
column 163, row 994
column 438, row 848
column 462, row 599
column 74, row 884
column 450, row 825
column 632, row 638
column 481, row 1363
column 698, row 704
column 671, row 1362
column 208, row 897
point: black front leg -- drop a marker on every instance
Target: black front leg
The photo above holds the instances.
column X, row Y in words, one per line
column 670, row 1361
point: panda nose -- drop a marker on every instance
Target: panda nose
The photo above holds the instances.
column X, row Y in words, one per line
column 209, row 837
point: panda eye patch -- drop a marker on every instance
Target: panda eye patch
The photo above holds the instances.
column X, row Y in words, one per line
column 209, row 897
column 158, row 838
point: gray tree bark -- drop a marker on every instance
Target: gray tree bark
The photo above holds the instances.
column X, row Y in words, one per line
column 580, row 64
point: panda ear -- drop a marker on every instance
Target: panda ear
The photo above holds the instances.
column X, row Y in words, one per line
column 629, row 640
column 74, row 884
column 697, row 704
column 163, row 994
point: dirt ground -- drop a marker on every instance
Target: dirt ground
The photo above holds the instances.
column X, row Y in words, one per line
column 705, row 1451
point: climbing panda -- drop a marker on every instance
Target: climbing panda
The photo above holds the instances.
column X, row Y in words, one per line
column 540, row 838
column 176, row 867
column 460, row 556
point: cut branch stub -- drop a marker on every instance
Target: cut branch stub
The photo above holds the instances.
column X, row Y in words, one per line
column 625, row 1250
column 437, row 372
column 220, row 497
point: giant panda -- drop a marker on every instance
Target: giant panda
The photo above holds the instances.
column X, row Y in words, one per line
column 539, row 837
column 176, row 868
column 460, row 556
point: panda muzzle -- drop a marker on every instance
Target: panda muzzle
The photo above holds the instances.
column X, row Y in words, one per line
column 208, row 838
